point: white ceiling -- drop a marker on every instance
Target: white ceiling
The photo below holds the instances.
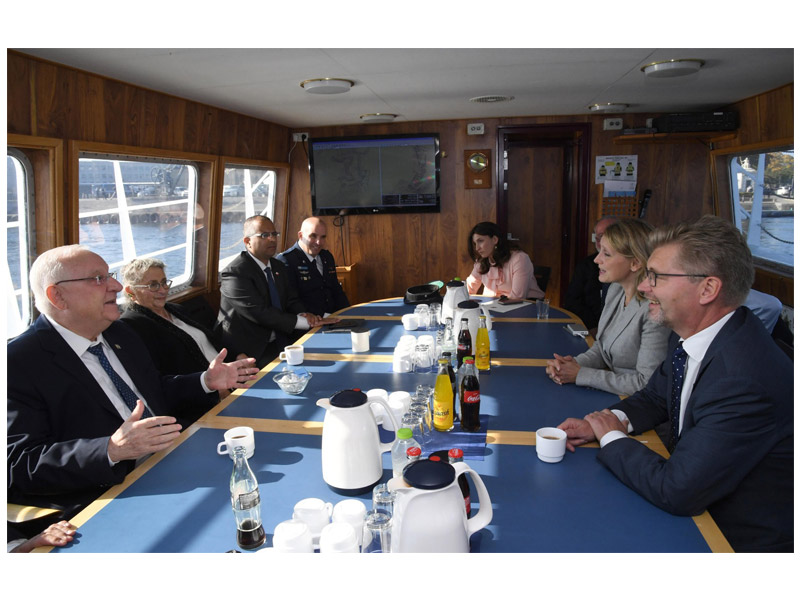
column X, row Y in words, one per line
column 432, row 84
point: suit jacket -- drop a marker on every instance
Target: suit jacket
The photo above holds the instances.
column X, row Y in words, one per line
column 319, row 293
column 172, row 349
column 247, row 317
column 584, row 294
column 735, row 454
column 60, row 419
column 628, row 348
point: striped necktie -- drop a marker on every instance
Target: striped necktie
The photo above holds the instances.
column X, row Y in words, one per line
column 128, row 395
column 678, row 372
column 274, row 298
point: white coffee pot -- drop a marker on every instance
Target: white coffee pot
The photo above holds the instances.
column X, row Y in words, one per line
column 472, row 311
column 429, row 512
column 351, row 447
column 456, row 292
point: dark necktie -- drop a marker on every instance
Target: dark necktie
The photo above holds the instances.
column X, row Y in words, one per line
column 273, row 289
column 678, row 373
column 128, row 395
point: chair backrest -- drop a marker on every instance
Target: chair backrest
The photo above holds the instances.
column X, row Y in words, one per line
column 542, row 275
column 765, row 307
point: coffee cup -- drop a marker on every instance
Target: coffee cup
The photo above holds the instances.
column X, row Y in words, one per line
column 293, row 355
column 551, row 444
column 238, row 436
column 352, row 512
column 410, row 322
column 338, row 537
column 292, row 536
column 360, row 339
column 315, row 513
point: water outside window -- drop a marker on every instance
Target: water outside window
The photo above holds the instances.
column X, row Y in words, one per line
column 246, row 191
column 762, row 190
column 139, row 208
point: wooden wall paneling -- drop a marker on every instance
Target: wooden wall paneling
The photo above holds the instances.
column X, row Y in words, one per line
column 19, row 114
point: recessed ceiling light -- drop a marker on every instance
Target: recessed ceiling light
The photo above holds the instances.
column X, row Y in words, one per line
column 673, row 68
column 327, row 85
column 491, row 99
column 378, row 118
column 608, row 107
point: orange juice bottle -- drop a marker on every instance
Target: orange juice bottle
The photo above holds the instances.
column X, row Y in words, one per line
column 482, row 358
column 443, row 401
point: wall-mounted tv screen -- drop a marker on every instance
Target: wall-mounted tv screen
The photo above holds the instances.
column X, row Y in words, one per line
column 374, row 174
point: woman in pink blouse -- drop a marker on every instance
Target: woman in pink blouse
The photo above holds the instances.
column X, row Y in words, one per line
column 500, row 266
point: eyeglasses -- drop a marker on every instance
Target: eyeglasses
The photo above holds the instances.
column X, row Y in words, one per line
column 652, row 276
column 98, row 279
column 266, row 234
column 154, row 286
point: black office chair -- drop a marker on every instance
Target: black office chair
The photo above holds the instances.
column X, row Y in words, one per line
column 542, row 275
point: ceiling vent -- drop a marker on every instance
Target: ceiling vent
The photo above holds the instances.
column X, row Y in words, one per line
column 491, row 99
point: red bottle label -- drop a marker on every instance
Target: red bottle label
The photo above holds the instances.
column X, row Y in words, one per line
column 471, row 397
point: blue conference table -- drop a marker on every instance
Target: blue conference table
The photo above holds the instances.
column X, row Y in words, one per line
column 178, row 500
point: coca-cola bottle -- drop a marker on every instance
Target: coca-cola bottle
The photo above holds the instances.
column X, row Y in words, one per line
column 464, row 342
column 246, row 502
column 470, row 396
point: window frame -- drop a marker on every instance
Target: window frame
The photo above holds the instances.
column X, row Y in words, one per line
column 723, row 196
column 280, row 218
column 207, row 166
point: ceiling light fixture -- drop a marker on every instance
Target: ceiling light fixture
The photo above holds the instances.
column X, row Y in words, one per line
column 378, row 118
column 491, row 99
column 608, row 107
column 327, row 85
column 673, row 68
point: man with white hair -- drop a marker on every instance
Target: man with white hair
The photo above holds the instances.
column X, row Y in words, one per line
column 312, row 269
column 85, row 401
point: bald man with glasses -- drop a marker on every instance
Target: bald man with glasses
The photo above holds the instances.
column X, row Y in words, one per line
column 85, row 401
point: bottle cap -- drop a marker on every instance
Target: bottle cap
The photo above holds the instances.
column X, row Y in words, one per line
column 434, row 458
column 469, row 359
column 404, row 433
column 456, row 453
column 414, row 451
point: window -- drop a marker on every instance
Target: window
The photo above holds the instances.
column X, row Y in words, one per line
column 246, row 191
column 762, row 190
column 20, row 243
column 132, row 207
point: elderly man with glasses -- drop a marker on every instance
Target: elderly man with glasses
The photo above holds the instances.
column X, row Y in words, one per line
column 260, row 311
column 725, row 389
column 85, row 401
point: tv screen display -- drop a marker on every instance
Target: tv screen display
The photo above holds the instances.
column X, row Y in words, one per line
column 374, row 174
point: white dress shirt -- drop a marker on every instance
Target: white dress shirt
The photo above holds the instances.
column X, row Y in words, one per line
column 696, row 347
column 80, row 346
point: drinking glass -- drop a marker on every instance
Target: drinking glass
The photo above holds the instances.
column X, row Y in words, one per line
column 423, row 314
column 422, row 415
column 377, row 534
column 383, row 499
column 543, row 308
column 413, row 421
column 423, row 363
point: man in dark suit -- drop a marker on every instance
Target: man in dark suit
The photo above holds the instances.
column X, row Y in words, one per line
column 725, row 388
column 82, row 388
column 585, row 294
column 259, row 310
column 313, row 270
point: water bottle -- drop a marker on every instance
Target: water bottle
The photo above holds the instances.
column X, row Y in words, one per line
column 400, row 448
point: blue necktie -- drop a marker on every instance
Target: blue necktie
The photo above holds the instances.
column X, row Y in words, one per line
column 273, row 290
column 678, row 372
column 128, row 395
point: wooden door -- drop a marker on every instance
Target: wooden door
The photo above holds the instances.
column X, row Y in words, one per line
column 535, row 207
column 543, row 196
